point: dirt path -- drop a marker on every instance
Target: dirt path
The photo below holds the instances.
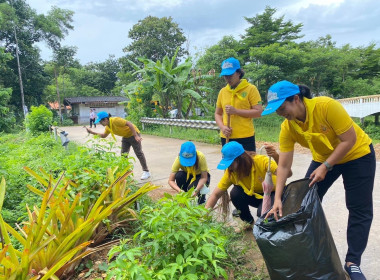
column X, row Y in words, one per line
column 160, row 153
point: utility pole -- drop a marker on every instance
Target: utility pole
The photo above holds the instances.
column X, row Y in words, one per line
column 19, row 68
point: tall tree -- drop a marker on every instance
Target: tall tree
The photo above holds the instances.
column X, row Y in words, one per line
column 21, row 27
column 105, row 75
column 265, row 30
column 154, row 38
column 63, row 57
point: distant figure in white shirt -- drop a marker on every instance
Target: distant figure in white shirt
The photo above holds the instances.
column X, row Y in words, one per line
column 92, row 118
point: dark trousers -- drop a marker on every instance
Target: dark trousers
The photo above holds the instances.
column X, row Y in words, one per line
column 358, row 180
column 184, row 184
column 242, row 201
column 92, row 122
column 126, row 144
column 248, row 143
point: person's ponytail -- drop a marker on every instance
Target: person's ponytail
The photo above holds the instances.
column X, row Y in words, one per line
column 305, row 91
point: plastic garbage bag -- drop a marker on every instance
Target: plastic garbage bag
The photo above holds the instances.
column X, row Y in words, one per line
column 299, row 245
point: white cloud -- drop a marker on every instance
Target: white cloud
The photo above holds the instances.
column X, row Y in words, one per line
column 101, row 26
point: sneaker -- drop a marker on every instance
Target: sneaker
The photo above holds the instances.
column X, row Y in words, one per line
column 236, row 213
column 354, row 272
column 145, row 175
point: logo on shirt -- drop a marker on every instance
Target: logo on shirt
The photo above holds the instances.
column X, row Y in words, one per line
column 227, row 65
column 324, row 129
column 244, row 94
column 272, row 96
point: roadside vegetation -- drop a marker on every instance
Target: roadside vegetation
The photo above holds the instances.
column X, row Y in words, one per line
column 60, row 206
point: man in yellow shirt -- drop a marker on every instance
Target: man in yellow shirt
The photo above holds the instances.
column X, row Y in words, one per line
column 240, row 102
column 129, row 132
column 338, row 146
column 190, row 170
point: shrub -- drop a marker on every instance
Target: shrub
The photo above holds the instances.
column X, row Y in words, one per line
column 178, row 240
column 39, row 119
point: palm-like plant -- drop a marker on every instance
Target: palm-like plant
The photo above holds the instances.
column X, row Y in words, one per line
column 173, row 83
column 57, row 236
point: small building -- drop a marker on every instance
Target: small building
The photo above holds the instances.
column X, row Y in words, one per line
column 81, row 106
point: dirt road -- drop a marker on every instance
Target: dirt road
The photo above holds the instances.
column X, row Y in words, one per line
column 160, row 153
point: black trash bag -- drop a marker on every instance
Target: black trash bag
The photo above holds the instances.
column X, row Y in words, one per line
column 300, row 244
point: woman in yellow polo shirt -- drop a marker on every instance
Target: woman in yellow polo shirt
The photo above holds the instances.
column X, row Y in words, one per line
column 239, row 100
column 129, row 132
column 247, row 173
column 190, row 170
column 338, row 146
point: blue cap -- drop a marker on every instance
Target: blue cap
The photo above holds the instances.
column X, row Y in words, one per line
column 101, row 115
column 188, row 154
column 229, row 66
column 230, row 151
column 277, row 94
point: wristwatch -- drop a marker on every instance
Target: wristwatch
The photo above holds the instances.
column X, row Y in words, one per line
column 328, row 166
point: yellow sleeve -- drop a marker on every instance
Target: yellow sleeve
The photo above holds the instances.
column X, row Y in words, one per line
column 273, row 166
column 176, row 165
column 107, row 131
column 338, row 117
column 225, row 182
column 286, row 140
column 219, row 100
column 254, row 96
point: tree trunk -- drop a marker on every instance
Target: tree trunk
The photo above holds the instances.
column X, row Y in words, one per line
column 189, row 108
column 19, row 74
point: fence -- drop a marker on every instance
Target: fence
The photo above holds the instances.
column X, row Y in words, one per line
column 180, row 122
column 62, row 134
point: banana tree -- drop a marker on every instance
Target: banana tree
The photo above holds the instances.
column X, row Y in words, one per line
column 172, row 83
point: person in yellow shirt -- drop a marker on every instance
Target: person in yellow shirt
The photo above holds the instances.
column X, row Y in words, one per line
column 130, row 137
column 247, row 173
column 239, row 102
column 190, row 170
column 339, row 147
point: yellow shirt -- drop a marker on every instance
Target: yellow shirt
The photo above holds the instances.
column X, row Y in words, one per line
column 252, row 184
column 244, row 96
column 118, row 126
column 325, row 120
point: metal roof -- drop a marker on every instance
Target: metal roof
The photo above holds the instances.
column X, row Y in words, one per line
column 95, row 99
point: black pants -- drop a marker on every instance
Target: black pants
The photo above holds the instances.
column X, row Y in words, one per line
column 184, row 184
column 358, row 180
column 242, row 201
column 248, row 143
column 92, row 122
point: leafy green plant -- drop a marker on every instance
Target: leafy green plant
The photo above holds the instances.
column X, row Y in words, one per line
column 39, row 119
column 178, row 240
column 56, row 235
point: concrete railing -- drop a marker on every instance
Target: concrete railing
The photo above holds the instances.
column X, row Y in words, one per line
column 360, row 99
column 180, row 122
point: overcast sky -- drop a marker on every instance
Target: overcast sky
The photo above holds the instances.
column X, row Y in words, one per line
column 101, row 26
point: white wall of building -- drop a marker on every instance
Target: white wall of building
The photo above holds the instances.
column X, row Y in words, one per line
column 84, row 111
